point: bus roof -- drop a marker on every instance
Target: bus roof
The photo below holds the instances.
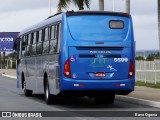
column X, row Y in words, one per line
column 58, row 17
column 48, row 21
column 83, row 12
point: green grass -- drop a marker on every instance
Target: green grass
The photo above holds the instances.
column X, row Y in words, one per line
column 151, row 85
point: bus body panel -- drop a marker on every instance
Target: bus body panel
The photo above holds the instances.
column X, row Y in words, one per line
column 34, row 67
column 114, row 85
column 34, row 73
column 114, row 56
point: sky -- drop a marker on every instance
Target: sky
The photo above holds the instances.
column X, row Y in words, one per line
column 16, row 15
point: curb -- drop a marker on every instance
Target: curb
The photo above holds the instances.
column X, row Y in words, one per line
column 138, row 101
column 10, row 76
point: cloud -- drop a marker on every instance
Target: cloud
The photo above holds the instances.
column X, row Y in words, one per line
column 18, row 20
column 19, row 5
column 19, row 14
column 143, row 7
column 146, row 31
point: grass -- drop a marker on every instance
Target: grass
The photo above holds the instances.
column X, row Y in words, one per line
column 151, row 85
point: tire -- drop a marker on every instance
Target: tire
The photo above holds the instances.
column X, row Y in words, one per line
column 50, row 99
column 27, row 92
column 109, row 99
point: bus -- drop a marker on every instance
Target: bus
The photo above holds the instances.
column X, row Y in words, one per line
column 78, row 53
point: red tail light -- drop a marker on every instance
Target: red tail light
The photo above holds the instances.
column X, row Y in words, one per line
column 67, row 70
column 131, row 69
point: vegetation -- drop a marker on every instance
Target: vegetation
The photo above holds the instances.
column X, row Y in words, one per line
column 151, row 57
column 140, row 58
column 151, row 85
column 63, row 4
column 13, row 55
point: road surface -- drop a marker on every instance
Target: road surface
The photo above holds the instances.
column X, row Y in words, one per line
column 12, row 99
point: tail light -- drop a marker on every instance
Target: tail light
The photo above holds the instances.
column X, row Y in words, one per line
column 67, row 70
column 131, row 69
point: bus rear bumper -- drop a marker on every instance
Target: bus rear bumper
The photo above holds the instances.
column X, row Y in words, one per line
column 120, row 86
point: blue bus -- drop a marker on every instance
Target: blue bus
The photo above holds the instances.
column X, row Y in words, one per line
column 78, row 53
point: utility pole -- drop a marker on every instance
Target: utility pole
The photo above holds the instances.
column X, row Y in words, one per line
column 50, row 8
column 101, row 5
column 158, row 12
column 3, row 60
column 128, row 6
column 0, row 61
column 113, row 5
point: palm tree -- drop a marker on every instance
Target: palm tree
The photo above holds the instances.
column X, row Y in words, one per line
column 63, row 4
column 158, row 21
column 127, row 6
column 101, row 5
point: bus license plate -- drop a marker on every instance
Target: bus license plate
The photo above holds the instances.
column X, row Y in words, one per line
column 99, row 74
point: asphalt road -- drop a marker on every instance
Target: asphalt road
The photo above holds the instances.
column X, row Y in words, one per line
column 12, row 99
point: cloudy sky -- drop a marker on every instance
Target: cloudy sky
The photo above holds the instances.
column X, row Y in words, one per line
column 15, row 15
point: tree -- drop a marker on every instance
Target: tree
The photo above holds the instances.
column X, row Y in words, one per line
column 63, row 4
column 150, row 58
column 127, row 6
column 139, row 58
column 101, row 5
column 157, row 56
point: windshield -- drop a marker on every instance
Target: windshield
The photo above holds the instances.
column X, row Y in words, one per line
column 98, row 28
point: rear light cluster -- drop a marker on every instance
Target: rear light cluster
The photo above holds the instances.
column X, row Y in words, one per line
column 131, row 69
column 67, row 70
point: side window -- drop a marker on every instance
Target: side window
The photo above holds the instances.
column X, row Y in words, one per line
column 30, row 42
column 52, row 32
column 40, row 43
column 46, row 34
column 58, row 37
column 34, row 35
column 46, row 41
column 54, row 39
column 43, row 35
column 23, row 44
column 56, row 31
column 26, row 45
column 31, row 39
column 37, row 37
column 40, row 36
column 26, row 39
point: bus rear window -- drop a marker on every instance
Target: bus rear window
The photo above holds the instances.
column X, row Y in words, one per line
column 98, row 28
column 116, row 24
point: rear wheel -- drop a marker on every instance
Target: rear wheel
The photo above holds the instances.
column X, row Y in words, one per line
column 26, row 91
column 109, row 99
column 50, row 99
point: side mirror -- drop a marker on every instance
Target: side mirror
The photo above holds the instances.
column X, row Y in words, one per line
column 16, row 44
